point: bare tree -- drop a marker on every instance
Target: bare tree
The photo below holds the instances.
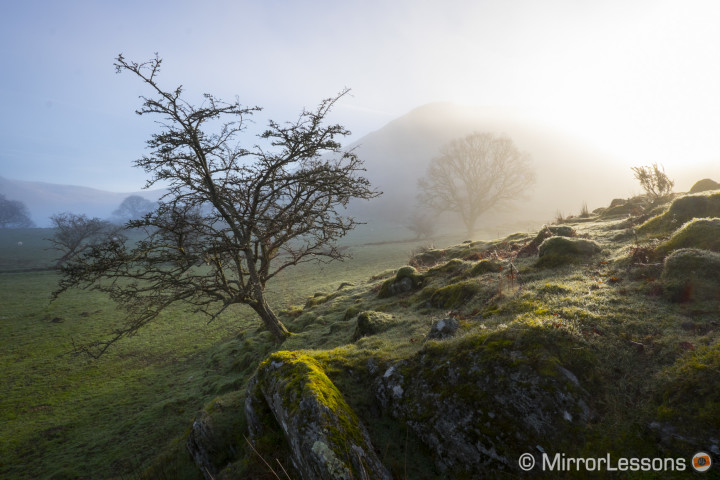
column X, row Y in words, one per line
column 132, row 208
column 654, row 181
column 474, row 174
column 422, row 224
column 14, row 214
column 74, row 234
column 233, row 218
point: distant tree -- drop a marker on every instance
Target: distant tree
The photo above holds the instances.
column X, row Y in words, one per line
column 74, row 234
column 474, row 174
column 422, row 224
column 234, row 217
column 14, row 214
column 654, row 181
column 133, row 207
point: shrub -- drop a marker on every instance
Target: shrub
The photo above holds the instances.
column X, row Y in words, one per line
column 654, row 181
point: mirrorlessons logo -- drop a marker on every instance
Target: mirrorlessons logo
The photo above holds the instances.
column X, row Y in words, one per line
column 561, row 463
column 701, row 461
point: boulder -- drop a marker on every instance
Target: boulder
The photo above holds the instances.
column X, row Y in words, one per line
column 556, row 251
column 326, row 439
column 443, row 329
column 372, row 323
column 406, row 279
column 546, row 232
column 478, row 405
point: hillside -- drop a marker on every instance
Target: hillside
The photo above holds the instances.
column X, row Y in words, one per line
column 397, row 154
column 592, row 338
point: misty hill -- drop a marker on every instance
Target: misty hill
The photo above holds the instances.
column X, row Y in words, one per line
column 45, row 199
column 568, row 173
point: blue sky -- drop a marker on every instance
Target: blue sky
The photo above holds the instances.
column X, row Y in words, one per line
column 640, row 79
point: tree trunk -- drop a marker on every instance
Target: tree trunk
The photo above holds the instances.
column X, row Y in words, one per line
column 271, row 321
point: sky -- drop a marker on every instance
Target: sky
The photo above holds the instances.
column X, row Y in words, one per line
column 637, row 79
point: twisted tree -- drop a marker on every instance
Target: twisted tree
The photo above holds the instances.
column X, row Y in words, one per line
column 234, row 216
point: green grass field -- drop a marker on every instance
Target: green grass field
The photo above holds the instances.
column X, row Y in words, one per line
column 68, row 416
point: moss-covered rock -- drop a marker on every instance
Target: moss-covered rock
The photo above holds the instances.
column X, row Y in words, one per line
column 700, row 233
column 372, row 323
column 428, row 257
column 704, row 185
column 325, row 437
column 682, row 210
column 556, row 251
column 485, row 266
column 690, row 274
column 454, row 266
column 454, row 295
column 531, row 248
column 443, row 328
column 480, row 402
column 405, row 280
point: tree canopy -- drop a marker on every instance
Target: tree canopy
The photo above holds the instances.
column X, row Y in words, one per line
column 236, row 214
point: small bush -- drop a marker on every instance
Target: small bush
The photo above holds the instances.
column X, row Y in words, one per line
column 654, row 181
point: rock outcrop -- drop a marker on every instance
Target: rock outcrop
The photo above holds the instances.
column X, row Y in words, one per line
column 479, row 405
column 325, row 438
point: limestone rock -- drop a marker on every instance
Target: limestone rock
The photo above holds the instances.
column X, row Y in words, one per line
column 325, row 437
column 443, row 328
column 479, row 406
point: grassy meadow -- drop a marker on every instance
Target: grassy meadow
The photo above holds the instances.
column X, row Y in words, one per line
column 69, row 416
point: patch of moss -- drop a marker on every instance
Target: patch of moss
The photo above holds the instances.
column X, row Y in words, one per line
column 689, row 391
column 557, row 251
column 454, row 266
column 690, row 274
column 682, row 210
column 485, row 266
column 352, row 311
column 553, row 289
column 451, row 296
column 700, row 233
